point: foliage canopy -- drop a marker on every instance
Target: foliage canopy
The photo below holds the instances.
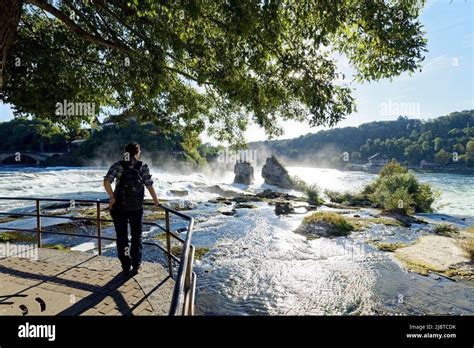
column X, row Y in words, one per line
column 187, row 65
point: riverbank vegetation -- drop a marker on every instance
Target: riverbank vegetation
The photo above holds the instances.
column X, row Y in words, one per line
column 100, row 144
column 396, row 189
column 446, row 140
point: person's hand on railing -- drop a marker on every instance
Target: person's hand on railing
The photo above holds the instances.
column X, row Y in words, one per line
column 153, row 195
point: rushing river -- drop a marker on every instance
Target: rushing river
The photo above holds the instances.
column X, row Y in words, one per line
column 257, row 265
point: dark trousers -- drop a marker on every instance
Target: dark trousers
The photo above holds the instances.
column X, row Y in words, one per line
column 128, row 256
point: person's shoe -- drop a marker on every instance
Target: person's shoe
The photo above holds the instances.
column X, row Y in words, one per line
column 135, row 270
column 125, row 272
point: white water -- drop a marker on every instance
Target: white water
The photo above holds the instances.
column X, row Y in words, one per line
column 258, row 265
column 86, row 183
column 457, row 191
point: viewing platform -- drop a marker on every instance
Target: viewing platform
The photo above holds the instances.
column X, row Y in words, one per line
column 81, row 283
column 93, row 279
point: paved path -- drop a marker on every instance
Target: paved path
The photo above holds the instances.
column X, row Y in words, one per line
column 79, row 283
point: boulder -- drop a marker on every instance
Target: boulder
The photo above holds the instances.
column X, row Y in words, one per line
column 179, row 193
column 245, row 206
column 319, row 229
column 220, row 191
column 270, row 194
column 228, row 212
column 221, row 200
column 283, row 208
column 182, row 205
column 243, row 173
column 275, row 174
column 244, row 198
column 405, row 220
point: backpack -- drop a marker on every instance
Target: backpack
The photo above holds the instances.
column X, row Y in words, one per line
column 131, row 187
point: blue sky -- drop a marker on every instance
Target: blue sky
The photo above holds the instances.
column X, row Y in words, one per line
column 445, row 84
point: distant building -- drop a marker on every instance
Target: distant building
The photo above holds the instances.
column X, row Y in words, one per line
column 378, row 160
column 428, row 165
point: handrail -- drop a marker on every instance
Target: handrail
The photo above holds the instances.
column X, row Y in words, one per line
column 182, row 301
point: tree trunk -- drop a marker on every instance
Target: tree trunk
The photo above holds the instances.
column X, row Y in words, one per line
column 9, row 17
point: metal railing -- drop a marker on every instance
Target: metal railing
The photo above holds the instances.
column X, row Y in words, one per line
column 182, row 301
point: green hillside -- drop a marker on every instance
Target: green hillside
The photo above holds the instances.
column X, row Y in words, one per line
column 447, row 140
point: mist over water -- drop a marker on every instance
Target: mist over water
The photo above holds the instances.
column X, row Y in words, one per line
column 257, row 265
column 456, row 190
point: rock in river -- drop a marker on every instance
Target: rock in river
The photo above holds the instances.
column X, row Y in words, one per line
column 220, row 191
column 270, row 194
column 275, row 174
column 283, row 208
column 243, row 173
column 179, row 193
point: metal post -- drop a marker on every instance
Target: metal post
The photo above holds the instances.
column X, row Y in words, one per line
column 168, row 242
column 189, row 269
column 38, row 223
column 99, row 233
column 188, row 291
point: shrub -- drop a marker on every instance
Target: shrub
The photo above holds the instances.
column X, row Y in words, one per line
column 468, row 245
column 357, row 199
column 445, row 229
column 398, row 200
column 390, row 247
column 17, row 236
column 339, row 224
column 298, row 183
column 397, row 189
column 56, row 247
column 467, row 242
column 393, row 167
column 312, row 191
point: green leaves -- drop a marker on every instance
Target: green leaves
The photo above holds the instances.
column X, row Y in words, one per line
column 397, row 189
column 227, row 62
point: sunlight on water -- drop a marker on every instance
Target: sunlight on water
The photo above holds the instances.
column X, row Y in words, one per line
column 260, row 266
column 333, row 179
column 257, row 265
column 457, row 190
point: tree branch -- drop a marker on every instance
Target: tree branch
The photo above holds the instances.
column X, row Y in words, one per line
column 64, row 18
column 76, row 28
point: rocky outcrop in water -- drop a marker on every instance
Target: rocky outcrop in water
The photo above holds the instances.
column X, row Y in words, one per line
column 270, row 194
column 436, row 254
column 324, row 224
column 283, row 208
column 406, row 220
column 275, row 174
column 319, row 229
column 243, row 173
column 219, row 190
column 179, row 193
